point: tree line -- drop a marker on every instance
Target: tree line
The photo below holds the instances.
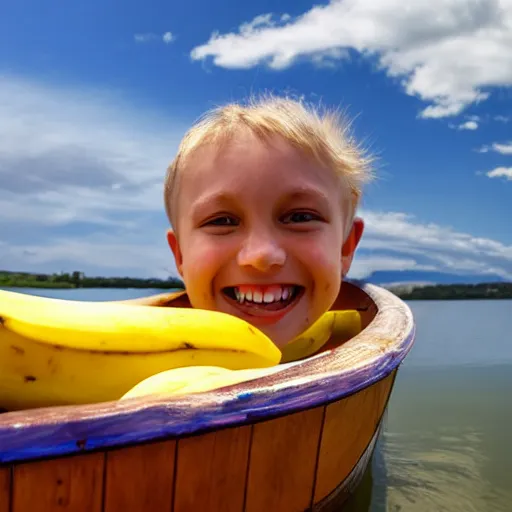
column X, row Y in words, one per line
column 454, row 291
column 78, row 279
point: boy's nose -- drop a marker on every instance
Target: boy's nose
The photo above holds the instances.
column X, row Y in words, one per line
column 261, row 253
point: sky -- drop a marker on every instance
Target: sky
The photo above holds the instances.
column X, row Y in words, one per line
column 95, row 96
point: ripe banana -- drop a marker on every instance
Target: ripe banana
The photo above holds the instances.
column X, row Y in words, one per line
column 342, row 324
column 195, row 379
column 58, row 352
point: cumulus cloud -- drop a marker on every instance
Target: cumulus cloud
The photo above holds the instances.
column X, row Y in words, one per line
column 501, row 172
column 468, row 125
column 502, row 148
column 79, row 162
column 364, row 265
column 420, row 246
column 448, row 53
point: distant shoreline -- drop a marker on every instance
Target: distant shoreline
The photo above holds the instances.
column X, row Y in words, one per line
column 405, row 291
column 80, row 280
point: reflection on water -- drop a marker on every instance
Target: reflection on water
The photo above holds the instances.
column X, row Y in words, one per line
column 445, row 444
column 447, row 438
column 436, row 473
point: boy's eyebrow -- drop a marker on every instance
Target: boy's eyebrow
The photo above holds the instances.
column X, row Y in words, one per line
column 215, row 197
column 306, row 193
column 294, row 194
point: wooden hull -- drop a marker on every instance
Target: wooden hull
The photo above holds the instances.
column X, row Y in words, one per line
column 293, row 444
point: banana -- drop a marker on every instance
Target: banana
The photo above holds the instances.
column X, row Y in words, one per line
column 181, row 381
column 342, row 324
column 59, row 352
column 195, row 379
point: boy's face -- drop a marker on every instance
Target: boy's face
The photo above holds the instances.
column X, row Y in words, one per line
column 260, row 235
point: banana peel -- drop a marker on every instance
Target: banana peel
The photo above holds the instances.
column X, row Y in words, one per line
column 58, row 352
column 61, row 352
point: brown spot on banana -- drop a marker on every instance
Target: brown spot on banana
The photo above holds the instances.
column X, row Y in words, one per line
column 188, row 346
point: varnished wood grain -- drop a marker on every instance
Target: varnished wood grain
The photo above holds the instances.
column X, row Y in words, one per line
column 71, row 484
column 282, row 462
column 348, row 429
column 140, row 478
column 5, row 489
column 211, row 471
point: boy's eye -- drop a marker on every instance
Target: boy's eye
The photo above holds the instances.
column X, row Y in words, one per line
column 300, row 217
column 223, row 220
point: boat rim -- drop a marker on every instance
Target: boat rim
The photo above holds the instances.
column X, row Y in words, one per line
column 316, row 381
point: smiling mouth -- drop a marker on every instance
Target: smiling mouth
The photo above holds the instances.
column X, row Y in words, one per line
column 251, row 301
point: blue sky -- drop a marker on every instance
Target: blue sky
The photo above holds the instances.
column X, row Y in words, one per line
column 95, row 96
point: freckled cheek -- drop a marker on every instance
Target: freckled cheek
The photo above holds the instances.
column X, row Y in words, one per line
column 202, row 262
column 324, row 258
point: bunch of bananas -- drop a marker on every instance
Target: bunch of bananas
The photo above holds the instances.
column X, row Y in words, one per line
column 62, row 352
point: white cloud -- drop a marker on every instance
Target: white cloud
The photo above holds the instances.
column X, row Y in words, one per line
column 77, row 162
column 432, row 247
column 502, row 119
column 133, row 253
column 503, row 149
column 446, row 52
column 468, row 125
column 501, row 172
column 167, row 37
column 364, row 265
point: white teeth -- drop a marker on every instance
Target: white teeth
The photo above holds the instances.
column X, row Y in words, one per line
column 257, row 297
column 268, row 297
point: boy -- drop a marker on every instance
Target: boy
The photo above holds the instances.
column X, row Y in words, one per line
column 261, row 199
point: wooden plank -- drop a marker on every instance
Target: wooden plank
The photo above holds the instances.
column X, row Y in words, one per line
column 348, row 429
column 5, row 489
column 282, row 462
column 140, row 478
column 211, row 471
column 73, row 484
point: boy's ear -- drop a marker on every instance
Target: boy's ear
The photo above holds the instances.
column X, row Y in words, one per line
column 351, row 243
column 172, row 240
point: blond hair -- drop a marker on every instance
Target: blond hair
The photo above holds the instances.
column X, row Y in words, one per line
column 320, row 135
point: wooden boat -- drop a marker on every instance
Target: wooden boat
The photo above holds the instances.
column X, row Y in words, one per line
column 298, row 439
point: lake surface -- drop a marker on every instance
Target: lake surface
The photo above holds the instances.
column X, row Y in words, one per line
column 447, row 438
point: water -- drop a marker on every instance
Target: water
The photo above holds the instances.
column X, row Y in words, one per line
column 447, row 441
column 447, row 438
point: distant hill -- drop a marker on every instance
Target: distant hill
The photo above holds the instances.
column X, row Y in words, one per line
column 425, row 277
